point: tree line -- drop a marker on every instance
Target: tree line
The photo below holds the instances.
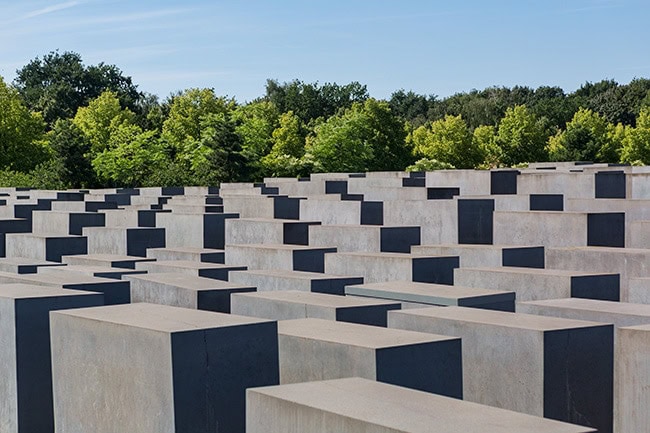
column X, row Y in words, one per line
column 64, row 124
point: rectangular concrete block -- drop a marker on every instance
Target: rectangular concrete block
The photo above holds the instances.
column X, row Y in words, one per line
column 215, row 271
column 286, row 257
column 287, row 305
column 356, row 405
column 537, row 284
column 423, row 294
column 207, row 255
column 153, row 368
column 477, row 255
column 22, row 265
column 182, row 290
column 355, row 238
column 545, row 366
column 381, row 267
column 43, row 246
column 268, row 231
column 274, row 280
column 317, row 349
column 25, row 366
column 125, row 241
column 632, row 383
column 110, row 260
column 195, row 230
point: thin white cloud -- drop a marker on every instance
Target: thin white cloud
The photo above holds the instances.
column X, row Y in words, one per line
column 50, row 9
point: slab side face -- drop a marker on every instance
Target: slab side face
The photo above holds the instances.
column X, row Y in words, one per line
column 106, row 373
column 631, row 413
column 8, row 379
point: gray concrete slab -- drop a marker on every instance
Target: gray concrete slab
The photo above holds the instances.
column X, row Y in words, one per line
column 183, row 290
column 356, row 405
column 317, row 349
column 216, row 271
column 632, row 384
column 544, row 366
column 424, row 294
column 617, row 313
column 273, row 280
column 179, row 370
column 286, row 305
column 25, row 363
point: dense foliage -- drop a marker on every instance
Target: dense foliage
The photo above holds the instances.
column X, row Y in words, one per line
column 66, row 124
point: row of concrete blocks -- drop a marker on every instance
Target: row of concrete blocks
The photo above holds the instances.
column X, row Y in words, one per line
column 551, row 367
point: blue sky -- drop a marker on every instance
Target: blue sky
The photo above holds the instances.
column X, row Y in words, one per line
column 430, row 47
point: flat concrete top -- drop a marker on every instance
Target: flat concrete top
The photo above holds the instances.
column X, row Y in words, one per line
column 298, row 275
column 110, row 257
column 352, row 334
column 86, row 269
column 605, row 250
column 365, row 227
column 499, row 318
column 162, row 318
column 45, row 235
column 438, row 294
column 405, row 256
column 22, row 291
column 536, row 271
column 275, row 221
column 285, row 247
column 482, row 247
column 67, row 277
column 625, row 308
column 183, row 264
column 644, row 328
column 319, row 299
column 410, row 411
column 186, row 250
column 185, row 281
column 24, row 261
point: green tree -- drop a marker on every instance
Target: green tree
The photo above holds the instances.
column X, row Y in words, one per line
column 484, row 139
column 21, row 133
column 72, row 149
column 188, row 117
column 99, row 120
column 447, row 140
column 311, row 101
column 636, row 144
column 288, row 148
column 255, row 123
column 58, row 84
column 131, row 155
column 521, row 137
column 366, row 137
column 587, row 137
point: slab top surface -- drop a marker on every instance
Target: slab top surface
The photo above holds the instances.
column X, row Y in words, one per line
column 300, row 275
column 162, row 318
column 21, row 291
column 490, row 247
column 67, row 277
column 186, row 250
column 111, row 257
column 22, row 261
column 372, row 337
column 319, row 299
column 594, row 305
column 536, row 271
column 185, row 281
column 275, row 247
column 499, row 318
column 410, row 411
column 184, row 264
column 422, row 289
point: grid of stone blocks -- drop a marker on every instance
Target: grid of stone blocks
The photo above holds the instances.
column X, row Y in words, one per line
column 461, row 300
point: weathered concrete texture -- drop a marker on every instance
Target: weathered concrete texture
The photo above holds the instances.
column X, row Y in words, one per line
column 617, row 313
column 472, row 256
column 44, row 246
column 182, row 290
column 215, row 271
column 628, row 262
column 206, row 255
column 286, row 257
column 632, row 383
column 347, row 238
column 536, row 284
column 380, row 267
column 114, row 291
column 274, row 280
column 65, row 223
column 124, row 241
column 94, row 271
column 268, row 231
column 25, row 367
column 194, row 230
column 111, row 260
column 544, row 366
column 288, row 305
column 357, row 405
column 317, row 349
column 22, row 265
column 154, row 368
column 422, row 294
